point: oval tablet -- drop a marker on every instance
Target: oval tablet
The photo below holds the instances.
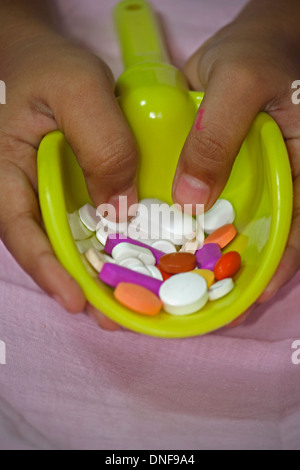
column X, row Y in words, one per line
column 183, row 294
column 228, row 265
column 164, row 245
column 113, row 274
column 174, row 263
column 138, row 298
column 128, row 250
column 222, row 236
column 220, row 289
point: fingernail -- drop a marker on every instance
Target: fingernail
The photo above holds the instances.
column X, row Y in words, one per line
column 122, row 203
column 191, row 191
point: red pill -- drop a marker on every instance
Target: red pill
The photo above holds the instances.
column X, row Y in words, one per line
column 164, row 274
column 228, row 265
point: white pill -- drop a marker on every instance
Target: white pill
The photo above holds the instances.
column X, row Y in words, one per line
column 183, row 293
column 114, row 226
column 102, row 233
column 221, row 213
column 164, row 245
column 78, row 230
column 191, row 246
column 157, row 220
column 128, row 250
column 89, row 218
column 129, row 262
column 220, row 289
column 141, row 269
column 155, row 272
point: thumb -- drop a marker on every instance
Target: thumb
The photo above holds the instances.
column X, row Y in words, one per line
column 231, row 102
column 90, row 118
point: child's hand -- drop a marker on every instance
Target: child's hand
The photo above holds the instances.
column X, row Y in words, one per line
column 52, row 84
column 247, row 67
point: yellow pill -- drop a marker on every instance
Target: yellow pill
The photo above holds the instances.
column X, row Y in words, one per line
column 207, row 274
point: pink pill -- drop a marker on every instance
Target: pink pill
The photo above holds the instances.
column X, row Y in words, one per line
column 113, row 274
column 208, row 256
column 116, row 238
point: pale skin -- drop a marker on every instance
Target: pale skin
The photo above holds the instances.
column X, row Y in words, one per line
column 248, row 66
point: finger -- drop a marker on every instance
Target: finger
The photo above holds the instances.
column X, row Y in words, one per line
column 90, row 117
column 221, row 125
column 238, row 321
column 104, row 322
column 21, row 232
column 290, row 262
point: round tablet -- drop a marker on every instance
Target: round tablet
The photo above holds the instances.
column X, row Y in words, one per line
column 183, row 293
column 89, row 217
column 220, row 289
column 177, row 262
column 138, row 298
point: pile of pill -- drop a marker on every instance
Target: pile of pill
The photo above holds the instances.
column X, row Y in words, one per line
column 179, row 269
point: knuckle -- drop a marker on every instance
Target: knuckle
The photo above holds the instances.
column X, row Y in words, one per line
column 209, row 151
column 113, row 159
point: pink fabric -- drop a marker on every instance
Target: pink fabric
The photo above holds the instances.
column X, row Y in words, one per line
column 69, row 385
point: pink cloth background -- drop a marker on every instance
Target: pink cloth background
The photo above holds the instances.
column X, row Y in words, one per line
column 69, row 385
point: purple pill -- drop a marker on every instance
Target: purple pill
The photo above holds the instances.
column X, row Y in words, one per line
column 116, row 238
column 208, row 256
column 113, row 274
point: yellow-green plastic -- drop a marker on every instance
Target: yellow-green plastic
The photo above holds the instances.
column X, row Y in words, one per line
column 160, row 109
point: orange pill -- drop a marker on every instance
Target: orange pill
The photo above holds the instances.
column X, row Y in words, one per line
column 175, row 263
column 138, row 298
column 222, row 236
column 228, row 265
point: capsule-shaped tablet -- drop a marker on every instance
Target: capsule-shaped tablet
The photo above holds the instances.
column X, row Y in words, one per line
column 113, row 274
column 116, row 238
